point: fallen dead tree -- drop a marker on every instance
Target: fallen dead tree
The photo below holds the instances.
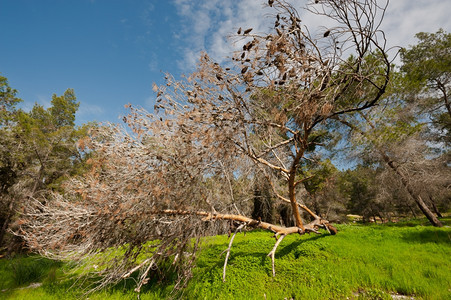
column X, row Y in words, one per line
column 154, row 188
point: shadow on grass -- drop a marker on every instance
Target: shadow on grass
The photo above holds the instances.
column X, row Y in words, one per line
column 22, row 271
column 56, row 280
column 429, row 235
column 258, row 255
column 83, row 287
column 446, row 221
column 291, row 248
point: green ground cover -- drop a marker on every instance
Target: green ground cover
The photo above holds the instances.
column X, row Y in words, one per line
column 360, row 262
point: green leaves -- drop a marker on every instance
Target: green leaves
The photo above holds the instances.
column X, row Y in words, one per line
column 37, row 150
column 321, row 172
column 64, row 108
column 426, row 80
column 8, row 101
column 428, row 62
column 40, row 145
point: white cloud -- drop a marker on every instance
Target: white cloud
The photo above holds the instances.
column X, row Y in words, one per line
column 45, row 101
column 26, row 105
column 153, row 63
column 405, row 18
column 206, row 24
column 89, row 110
column 146, row 14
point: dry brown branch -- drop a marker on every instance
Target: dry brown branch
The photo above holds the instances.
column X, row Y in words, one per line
column 172, row 176
column 143, row 279
column 134, row 269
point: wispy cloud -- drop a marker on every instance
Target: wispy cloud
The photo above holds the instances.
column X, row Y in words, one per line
column 26, row 105
column 43, row 100
column 207, row 23
column 146, row 15
column 90, row 110
column 153, row 64
column 405, row 18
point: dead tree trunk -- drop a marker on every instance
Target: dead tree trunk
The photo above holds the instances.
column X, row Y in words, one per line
column 291, row 189
column 434, row 207
column 7, row 220
column 412, row 210
column 416, row 197
column 405, row 182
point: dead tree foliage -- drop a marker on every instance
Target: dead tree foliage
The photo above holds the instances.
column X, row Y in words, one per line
column 152, row 189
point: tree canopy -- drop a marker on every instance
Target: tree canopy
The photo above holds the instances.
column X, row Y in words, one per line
column 38, row 150
column 162, row 180
column 244, row 145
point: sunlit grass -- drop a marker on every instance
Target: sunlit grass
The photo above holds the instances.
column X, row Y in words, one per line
column 405, row 260
column 361, row 261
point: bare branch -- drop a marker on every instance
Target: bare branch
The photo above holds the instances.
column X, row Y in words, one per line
column 228, row 251
column 273, row 252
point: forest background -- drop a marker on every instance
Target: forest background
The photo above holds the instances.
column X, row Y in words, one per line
column 261, row 143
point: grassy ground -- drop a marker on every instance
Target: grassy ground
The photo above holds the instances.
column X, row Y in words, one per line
column 360, row 262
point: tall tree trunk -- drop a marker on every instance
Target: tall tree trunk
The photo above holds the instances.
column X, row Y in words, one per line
column 442, row 88
column 434, row 207
column 292, row 189
column 412, row 210
column 293, row 202
column 7, row 220
column 417, row 198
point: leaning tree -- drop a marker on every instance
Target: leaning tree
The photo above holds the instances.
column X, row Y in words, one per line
column 172, row 176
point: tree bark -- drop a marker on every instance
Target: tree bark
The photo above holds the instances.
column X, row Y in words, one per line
column 434, row 207
column 7, row 221
column 278, row 230
column 292, row 188
column 417, row 198
column 405, row 182
column 442, row 88
column 412, row 210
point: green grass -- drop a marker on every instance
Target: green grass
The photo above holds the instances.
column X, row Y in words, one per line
column 360, row 262
column 23, row 271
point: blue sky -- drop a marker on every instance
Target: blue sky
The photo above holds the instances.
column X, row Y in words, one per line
column 111, row 51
